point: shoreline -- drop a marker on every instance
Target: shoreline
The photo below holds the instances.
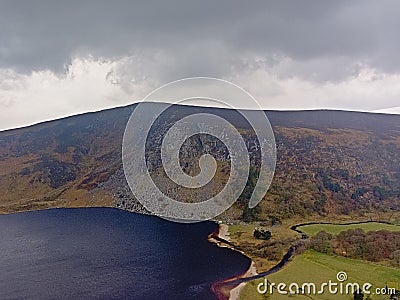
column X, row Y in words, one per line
column 222, row 289
column 227, row 289
column 234, row 293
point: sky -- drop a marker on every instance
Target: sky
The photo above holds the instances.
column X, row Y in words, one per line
column 60, row 58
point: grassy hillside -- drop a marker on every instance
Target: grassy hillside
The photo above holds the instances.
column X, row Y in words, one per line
column 334, row 229
column 318, row 268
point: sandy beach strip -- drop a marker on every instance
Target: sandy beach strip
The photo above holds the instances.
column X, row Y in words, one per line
column 223, row 233
column 235, row 292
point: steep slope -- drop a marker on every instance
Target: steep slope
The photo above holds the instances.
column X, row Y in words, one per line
column 329, row 163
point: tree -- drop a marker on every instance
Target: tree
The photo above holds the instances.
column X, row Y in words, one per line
column 358, row 296
column 321, row 242
column 262, row 234
column 396, row 257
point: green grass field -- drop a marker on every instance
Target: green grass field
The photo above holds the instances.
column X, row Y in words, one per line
column 312, row 230
column 318, row 268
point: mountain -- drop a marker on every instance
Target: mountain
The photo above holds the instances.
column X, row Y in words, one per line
column 329, row 163
column 392, row 110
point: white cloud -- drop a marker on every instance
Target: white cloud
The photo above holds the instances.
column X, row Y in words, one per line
column 367, row 90
column 90, row 84
column 87, row 85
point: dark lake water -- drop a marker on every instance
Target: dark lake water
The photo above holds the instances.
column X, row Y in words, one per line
column 104, row 253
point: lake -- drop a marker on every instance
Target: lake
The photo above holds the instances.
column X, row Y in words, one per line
column 105, row 253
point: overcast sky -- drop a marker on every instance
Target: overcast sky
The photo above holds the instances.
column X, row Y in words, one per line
column 60, row 58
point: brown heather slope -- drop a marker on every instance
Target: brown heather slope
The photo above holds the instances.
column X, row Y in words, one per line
column 330, row 163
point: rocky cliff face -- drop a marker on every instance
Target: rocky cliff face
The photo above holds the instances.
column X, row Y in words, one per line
column 329, row 162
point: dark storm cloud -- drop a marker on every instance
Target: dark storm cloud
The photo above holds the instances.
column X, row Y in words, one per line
column 90, row 55
column 203, row 37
